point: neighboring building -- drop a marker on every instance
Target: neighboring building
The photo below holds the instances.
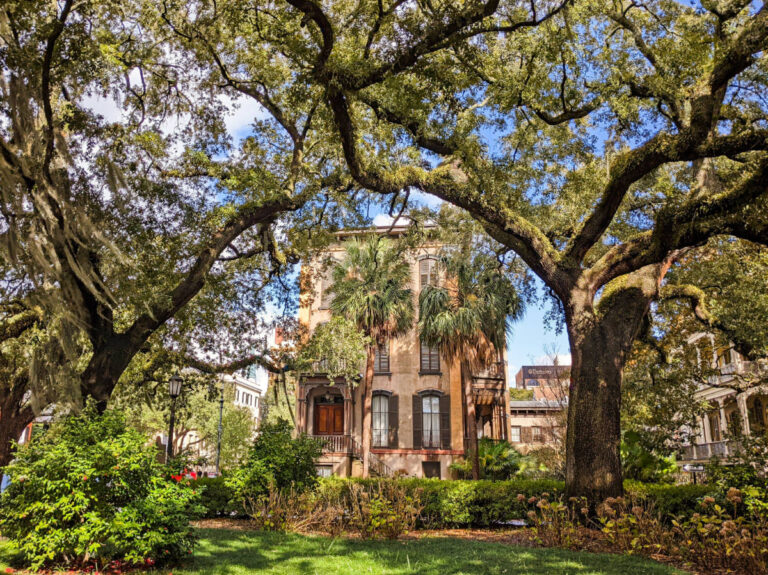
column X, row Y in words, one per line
column 418, row 412
column 731, row 408
column 537, row 414
column 250, row 389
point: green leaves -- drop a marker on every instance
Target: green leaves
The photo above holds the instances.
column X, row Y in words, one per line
column 90, row 491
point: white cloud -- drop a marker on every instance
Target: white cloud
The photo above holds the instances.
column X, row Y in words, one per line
column 562, row 359
column 242, row 112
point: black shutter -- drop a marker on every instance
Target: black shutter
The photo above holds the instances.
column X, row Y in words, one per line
column 394, row 419
column 417, row 422
column 445, row 421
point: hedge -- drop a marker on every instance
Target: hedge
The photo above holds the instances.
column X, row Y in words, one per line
column 466, row 503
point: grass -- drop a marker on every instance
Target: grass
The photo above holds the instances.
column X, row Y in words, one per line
column 227, row 552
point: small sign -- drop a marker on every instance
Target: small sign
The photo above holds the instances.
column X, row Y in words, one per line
column 691, row 468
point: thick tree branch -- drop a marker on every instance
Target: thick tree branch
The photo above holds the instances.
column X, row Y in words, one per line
column 698, row 301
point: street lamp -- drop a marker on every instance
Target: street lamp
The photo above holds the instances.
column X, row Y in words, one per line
column 174, row 390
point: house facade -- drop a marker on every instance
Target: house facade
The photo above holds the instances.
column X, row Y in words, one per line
column 537, row 412
column 731, row 408
column 418, row 419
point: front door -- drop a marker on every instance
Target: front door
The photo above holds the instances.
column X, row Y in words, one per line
column 329, row 419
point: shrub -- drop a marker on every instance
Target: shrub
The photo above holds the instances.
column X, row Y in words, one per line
column 498, row 461
column 383, row 508
column 668, row 500
column 276, row 461
column 90, row 491
column 217, row 497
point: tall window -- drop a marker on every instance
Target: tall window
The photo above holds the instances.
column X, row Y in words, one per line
column 714, row 426
column 427, row 272
column 381, row 359
column 430, row 421
column 380, row 420
column 514, row 435
column 430, row 359
column 536, row 434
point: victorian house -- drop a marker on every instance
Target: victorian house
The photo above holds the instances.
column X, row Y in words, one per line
column 737, row 401
column 418, row 418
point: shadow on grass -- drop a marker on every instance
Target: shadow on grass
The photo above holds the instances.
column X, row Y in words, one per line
column 237, row 553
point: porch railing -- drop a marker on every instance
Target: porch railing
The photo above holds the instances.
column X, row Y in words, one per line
column 335, row 443
column 704, row 451
column 346, row 444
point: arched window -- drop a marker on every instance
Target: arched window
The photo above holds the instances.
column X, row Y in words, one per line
column 380, row 419
column 430, row 409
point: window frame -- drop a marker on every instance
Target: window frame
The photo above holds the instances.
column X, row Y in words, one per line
column 433, row 440
column 537, row 434
column 383, row 432
column 512, row 434
column 432, row 274
column 433, row 359
column 378, row 367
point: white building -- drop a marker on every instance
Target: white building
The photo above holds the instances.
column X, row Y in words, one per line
column 748, row 408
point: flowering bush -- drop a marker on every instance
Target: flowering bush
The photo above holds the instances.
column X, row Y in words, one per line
column 713, row 540
column 90, row 491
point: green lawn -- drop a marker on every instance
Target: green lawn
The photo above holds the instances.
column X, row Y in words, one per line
column 224, row 552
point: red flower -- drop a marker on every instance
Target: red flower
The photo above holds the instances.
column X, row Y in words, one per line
column 10, row 570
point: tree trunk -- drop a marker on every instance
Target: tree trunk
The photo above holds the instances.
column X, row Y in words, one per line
column 466, row 378
column 367, row 409
column 105, row 367
column 600, row 342
column 12, row 423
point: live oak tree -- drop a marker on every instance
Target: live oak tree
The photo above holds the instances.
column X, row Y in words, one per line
column 116, row 225
column 598, row 140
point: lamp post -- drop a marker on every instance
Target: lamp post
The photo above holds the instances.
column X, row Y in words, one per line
column 174, row 390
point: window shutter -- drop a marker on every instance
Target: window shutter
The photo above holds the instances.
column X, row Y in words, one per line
column 525, row 435
column 394, row 419
column 424, row 273
column 417, row 421
column 445, row 421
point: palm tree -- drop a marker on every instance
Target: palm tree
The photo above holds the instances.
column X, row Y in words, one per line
column 370, row 288
column 468, row 318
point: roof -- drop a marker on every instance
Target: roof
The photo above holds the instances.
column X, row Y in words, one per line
column 538, row 404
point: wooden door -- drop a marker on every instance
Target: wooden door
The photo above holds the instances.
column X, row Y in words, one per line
column 329, row 419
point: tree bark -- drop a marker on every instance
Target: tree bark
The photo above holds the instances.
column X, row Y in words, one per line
column 367, row 438
column 13, row 420
column 600, row 341
column 469, row 400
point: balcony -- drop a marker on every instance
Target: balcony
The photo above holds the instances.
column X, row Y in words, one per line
column 705, row 451
column 495, row 371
